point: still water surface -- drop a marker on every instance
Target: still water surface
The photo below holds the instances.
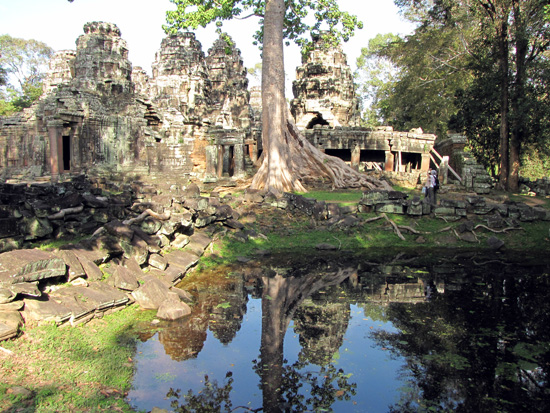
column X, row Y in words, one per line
column 462, row 333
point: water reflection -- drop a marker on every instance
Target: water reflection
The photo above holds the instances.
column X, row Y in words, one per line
column 463, row 333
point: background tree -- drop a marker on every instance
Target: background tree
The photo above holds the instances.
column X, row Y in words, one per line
column 289, row 159
column 22, row 69
column 509, row 37
column 375, row 77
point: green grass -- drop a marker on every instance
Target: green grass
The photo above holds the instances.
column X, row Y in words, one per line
column 339, row 197
column 86, row 368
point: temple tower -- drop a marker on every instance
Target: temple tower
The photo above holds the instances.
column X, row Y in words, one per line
column 323, row 91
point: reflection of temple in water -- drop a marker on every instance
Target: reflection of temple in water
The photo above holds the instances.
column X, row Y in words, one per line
column 385, row 284
column 321, row 328
column 226, row 319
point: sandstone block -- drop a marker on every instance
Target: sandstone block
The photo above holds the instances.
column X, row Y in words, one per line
column 29, row 265
column 173, row 308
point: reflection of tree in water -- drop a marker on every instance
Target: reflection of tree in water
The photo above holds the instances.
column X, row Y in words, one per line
column 212, row 398
column 487, row 348
column 283, row 293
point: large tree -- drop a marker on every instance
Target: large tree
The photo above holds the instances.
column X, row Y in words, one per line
column 289, row 160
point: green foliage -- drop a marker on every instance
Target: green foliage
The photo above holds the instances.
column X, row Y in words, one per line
column 24, row 62
column 423, row 72
column 339, row 197
column 375, row 78
column 535, row 163
column 491, row 56
column 192, row 14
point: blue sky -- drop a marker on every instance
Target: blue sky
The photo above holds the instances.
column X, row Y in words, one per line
column 58, row 23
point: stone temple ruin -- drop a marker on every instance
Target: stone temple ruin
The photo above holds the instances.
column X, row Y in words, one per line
column 98, row 114
column 326, row 108
column 192, row 119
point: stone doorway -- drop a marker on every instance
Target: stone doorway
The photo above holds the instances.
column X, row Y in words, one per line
column 66, row 152
column 317, row 120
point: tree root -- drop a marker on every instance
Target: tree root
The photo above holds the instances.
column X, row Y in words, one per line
column 67, row 211
column 145, row 214
column 300, row 161
column 373, row 219
column 394, row 225
column 411, row 230
column 503, row 231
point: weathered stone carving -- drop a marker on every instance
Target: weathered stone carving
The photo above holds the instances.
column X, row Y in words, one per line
column 229, row 95
column 324, row 93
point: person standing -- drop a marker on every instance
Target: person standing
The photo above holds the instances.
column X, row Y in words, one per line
column 430, row 187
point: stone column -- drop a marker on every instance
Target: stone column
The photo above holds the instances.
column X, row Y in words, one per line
column 221, row 150
column 55, row 134
column 253, row 152
column 238, row 157
column 388, row 165
column 226, row 158
column 444, row 170
column 425, row 163
column 211, row 160
column 356, row 157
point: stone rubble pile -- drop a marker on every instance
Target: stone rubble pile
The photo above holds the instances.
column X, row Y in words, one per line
column 538, row 187
column 134, row 247
column 395, row 202
column 475, row 177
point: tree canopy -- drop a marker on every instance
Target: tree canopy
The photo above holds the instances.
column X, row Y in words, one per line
column 22, row 69
column 477, row 66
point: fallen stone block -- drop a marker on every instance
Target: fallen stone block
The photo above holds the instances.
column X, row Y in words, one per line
column 10, row 322
column 152, row 241
column 29, row 289
column 74, row 268
column 119, row 230
column 151, row 294
column 173, row 308
column 182, row 259
column 180, row 241
column 46, row 310
column 29, row 265
column 158, row 261
column 495, row 243
column 198, row 242
column 137, row 249
column 124, row 279
column 6, row 295
column 93, row 272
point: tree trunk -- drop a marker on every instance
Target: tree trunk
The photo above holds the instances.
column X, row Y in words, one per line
column 288, row 158
column 274, row 171
column 502, row 33
column 518, row 98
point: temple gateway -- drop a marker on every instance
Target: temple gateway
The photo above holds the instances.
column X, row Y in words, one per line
column 194, row 118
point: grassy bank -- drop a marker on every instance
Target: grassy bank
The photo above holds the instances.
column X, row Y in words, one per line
column 284, row 232
column 86, row 368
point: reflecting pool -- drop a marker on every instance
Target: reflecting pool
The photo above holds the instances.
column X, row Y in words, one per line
column 346, row 334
